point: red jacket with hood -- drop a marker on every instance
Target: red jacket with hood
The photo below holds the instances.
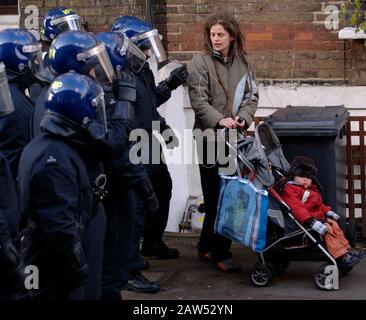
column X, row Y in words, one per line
column 311, row 207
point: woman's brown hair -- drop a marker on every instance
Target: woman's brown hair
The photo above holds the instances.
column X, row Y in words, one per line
column 229, row 23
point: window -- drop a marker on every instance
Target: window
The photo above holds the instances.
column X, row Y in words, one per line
column 8, row 7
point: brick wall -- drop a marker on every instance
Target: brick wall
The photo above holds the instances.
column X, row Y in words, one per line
column 98, row 14
column 8, row 7
column 285, row 39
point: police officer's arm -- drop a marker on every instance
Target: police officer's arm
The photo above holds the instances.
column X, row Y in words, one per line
column 8, row 197
column 176, row 78
column 12, row 139
column 11, row 266
column 56, row 200
column 123, row 172
column 125, row 92
column 4, row 232
column 115, row 142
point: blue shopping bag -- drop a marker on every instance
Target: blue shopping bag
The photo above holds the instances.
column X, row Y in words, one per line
column 242, row 213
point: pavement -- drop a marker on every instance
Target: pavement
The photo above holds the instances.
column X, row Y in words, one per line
column 188, row 277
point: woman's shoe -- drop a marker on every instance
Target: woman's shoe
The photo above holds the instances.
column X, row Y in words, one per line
column 228, row 265
column 205, row 256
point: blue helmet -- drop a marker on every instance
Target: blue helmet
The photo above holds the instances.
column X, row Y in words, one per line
column 81, row 52
column 58, row 20
column 20, row 51
column 122, row 51
column 131, row 26
column 76, row 100
column 142, row 34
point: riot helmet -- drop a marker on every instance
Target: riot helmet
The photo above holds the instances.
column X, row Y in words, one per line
column 58, row 20
column 75, row 103
column 20, row 52
column 122, row 51
column 82, row 53
column 142, row 34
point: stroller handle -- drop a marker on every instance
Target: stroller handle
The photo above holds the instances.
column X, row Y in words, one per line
column 235, row 148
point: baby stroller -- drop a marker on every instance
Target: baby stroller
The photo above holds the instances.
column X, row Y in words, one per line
column 260, row 159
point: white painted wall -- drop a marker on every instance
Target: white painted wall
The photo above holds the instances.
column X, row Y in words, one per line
column 9, row 21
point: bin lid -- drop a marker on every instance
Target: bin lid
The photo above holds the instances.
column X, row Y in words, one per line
column 308, row 121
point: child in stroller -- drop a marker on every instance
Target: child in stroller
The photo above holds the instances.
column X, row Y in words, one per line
column 302, row 194
column 287, row 237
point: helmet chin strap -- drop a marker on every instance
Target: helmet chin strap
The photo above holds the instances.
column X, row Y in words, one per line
column 24, row 80
column 58, row 125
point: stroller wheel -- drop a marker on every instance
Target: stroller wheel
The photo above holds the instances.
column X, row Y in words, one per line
column 261, row 275
column 321, row 277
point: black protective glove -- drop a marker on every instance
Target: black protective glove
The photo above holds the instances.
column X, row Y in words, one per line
column 177, row 77
column 76, row 267
column 12, row 274
column 124, row 87
column 145, row 191
column 169, row 136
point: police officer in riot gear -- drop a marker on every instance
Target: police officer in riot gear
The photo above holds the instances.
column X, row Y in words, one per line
column 21, row 54
column 149, row 98
column 80, row 52
column 55, row 190
column 11, row 266
column 122, row 175
column 58, row 20
column 55, row 21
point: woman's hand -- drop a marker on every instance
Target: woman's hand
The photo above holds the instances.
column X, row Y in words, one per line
column 240, row 122
column 229, row 123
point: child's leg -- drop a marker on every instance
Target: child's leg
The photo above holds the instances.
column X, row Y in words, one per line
column 335, row 240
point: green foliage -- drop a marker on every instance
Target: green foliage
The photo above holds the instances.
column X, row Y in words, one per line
column 353, row 14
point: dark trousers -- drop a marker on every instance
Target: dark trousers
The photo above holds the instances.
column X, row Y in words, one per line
column 137, row 235
column 93, row 244
column 209, row 241
column 151, row 227
column 155, row 224
column 120, row 208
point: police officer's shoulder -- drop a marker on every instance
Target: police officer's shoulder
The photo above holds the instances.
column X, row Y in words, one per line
column 58, row 154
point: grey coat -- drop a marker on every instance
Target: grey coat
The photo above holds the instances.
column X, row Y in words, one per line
column 207, row 96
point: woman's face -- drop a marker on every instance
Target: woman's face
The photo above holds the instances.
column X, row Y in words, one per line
column 220, row 39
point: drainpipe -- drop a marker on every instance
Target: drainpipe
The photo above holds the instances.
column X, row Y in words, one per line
column 149, row 12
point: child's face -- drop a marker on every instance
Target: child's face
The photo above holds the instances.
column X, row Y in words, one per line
column 306, row 182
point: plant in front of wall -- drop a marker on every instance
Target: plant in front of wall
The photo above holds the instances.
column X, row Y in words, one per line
column 353, row 14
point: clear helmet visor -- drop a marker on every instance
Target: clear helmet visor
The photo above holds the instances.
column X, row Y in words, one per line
column 99, row 64
column 98, row 127
column 6, row 102
column 67, row 23
column 134, row 56
column 150, row 41
column 34, row 52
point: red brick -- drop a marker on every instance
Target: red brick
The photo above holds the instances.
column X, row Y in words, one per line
column 304, row 36
column 258, row 36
